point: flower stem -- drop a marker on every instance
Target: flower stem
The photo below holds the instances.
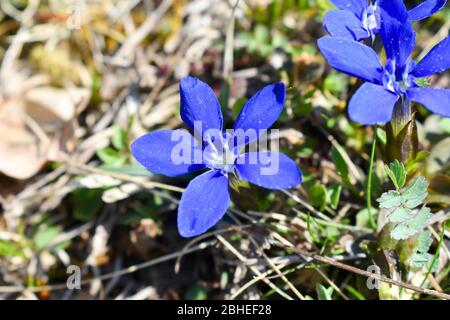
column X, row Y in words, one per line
column 369, row 182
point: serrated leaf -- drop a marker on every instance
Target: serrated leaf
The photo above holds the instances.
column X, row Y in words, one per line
column 400, row 214
column 402, row 231
column 409, row 228
column 390, row 199
column 421, row 219
column 397, row 173
column 424, row 241
column 420, row 260
column 416, row 193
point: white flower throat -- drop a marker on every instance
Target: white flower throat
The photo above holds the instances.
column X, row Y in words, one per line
column 218, row 155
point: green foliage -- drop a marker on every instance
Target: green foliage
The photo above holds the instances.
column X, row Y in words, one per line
column 88, row 201
column 117, row 155
column 318, row 195
column 324, row 293
column 336, row 82
column 412, row 224
column 390, row 199
column 381, row 135
column 410, row 197
column 196, row 293
column 45, row 236
column 9, row 249
column 397, row 173
column 422, row 258
column 407, row 220
column 334, row 194
column 340, row 164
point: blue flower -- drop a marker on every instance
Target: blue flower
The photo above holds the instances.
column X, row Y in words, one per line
column 207, row 197
column 374, row 101
column 360, row 19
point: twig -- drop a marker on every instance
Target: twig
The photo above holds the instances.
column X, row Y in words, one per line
column 252, row 268
column 134, row 268
column 306, row 205
column 364, row 273
column 125, row 177
column 149, row 24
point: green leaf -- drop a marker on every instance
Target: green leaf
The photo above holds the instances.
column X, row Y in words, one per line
column 334, row 194
column 390, row 199
column 412, row 165
column 45, row 236
column 424, row 241
column 196, row 293
column 416, row 193
column 421, row 219
column 336, row 82
column 381, row 134
column 408, row 228
column 420, row 260
column 86, row 203
column 237, row 107
column 111, row 157
column 9, row 249
column 400, row 214
column 119, row 138
column 318, row 195
column 363, row 218
column 324, row 293
column 340, row 164
column 397, row 173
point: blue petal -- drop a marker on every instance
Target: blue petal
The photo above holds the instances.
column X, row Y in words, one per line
column 261, row 111
column 437, row 60
column 426, row 9
column 435, row 100
column 352, row 58
column 355, row 6
column 271, row 170
column 199, row 103
column 162, row 152
column 396, row 31
column 343, row 23
column 203, row 203
column 371, row 104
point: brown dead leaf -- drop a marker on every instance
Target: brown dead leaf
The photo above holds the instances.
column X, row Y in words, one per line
column 37, row 124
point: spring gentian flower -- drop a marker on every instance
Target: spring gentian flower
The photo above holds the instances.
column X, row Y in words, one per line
column 360, row 19
column 207, row 197
column 374, row 101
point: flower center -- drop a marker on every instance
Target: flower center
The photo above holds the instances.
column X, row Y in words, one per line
column 218, row 155
column 398, row 81
column 371, row 19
